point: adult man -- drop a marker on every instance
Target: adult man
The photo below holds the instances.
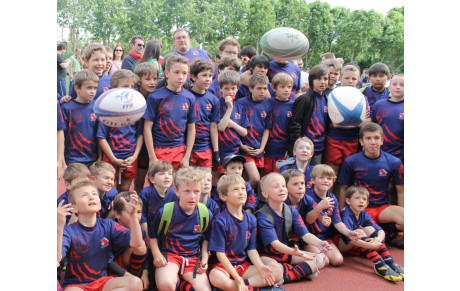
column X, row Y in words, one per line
column 181, row 41
column 61, row 68
column 75, row 65
column 135, row 53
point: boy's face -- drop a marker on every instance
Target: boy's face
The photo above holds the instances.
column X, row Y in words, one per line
column 234, row 168
column 358, row 202
column 245, row 59
column 189, row 195
column 97, row 62
column 296, row 187
column 229, row 51
column 397, row 87
column 87, row 91
column 229, row 90
column 320, row 84
column 162, row 179
column 236, row 194
column 148, row 83
column 177, row 76
column 203, row 80
column 334, row 76
column 104, row 181
column 283, row 91
column 207, row 184
column 87, row 200
column 371, row 143
column 124, row 219
column 108, row 63
column 276, row 190
column 126, row 83
column 378, row 81
column 350, row 78
column 322, row 183
column 303, row 151
column 258, row 92
column 260, row 69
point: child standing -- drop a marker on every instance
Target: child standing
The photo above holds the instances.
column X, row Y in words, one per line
column 379, row 74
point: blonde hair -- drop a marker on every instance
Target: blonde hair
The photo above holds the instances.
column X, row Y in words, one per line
column 76, row 170
column 159, row 166
column 79, row 185
column 323, row 170
column 305, row 139
column 335, row 63
column 350, row 68
column 282, row 79
column 226, row 181
column 265, row 181
column 97, row 168
column 122, row 74
column 188, row 175
column 146, row 69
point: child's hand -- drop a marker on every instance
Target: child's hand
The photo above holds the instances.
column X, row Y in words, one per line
column 118, row 162
column 152, row 161
column 246, row 148
column 324, row 246
column 62, row 212
column 266, row 274
column 301, row 254
column 372, row 244
column 129, row 161
column 185, row 162
column 159, row 261
column 326, row 203
column 65, row 99
column 353, row 235
column 131, row 206
column 255, row 152
column 240, row 283
column 145, row 279
column 229, row 101
column 326, row 220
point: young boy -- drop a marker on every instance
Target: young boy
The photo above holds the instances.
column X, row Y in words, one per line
column 374, row 169
column 389, row 114
column 350, row 75
column 322, row 177
column 372, row 236
column 379, row 74
column 205, row 152
column 95, row 58
column 81, row 123
column 147, row 74
column 206, row 193
column 274, row 232
column 278, row 138
column 258, row 110
column 288, row 68
column 169, row 115
column 160, row 191
column 88, row 243
column 303, row 151
column 103, row 173
column 335, row 68
column 309, row 116
column 179, row 250
column 225, row 63
column 259, row 64
column 233, row 240
column 247, row 54
column 121, row 145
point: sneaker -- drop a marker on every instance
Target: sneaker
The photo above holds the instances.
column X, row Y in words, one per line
column 387, row 273
column 397, row 268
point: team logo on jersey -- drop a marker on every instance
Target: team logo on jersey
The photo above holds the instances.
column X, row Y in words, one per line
column 289, row 114
column 309, row 184
column 401, row 116
column 184, row 106
column 195, row 53
column 293, row 75
column 208, row 107
column 93, row 116
column 104, row 242
column 325, row 108
column 105, row 89
column 383, row 173
column 248, row 235
column 196, row 229
column 263, row 114
column 237, row 115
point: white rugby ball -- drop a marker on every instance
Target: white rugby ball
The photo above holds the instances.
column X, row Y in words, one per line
column 284, row 43
column 346, row 106
column 120, row 107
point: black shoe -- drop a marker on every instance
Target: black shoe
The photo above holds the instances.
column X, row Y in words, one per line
column 387, row 273
column 397, row 268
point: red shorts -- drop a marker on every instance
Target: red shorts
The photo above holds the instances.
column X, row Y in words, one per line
column 219, row 169
column 335, row 151
column 202, row 159
column 171, row 155
column 270, row 164
column 96, row 285
column 127, row 174
column 258, row 161
column 375, row 211
column 240, row 269
column 285, row 258
column 185, row 265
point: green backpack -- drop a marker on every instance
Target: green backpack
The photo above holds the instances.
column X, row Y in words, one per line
column 287, row 217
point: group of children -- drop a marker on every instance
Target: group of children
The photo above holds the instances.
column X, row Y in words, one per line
column 216, row 212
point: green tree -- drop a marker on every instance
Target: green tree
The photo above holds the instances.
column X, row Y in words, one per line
column 391, row 44
column 72, row 14
column 260, row 20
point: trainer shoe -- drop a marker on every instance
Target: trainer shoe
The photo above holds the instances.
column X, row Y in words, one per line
column 397, row 268
column 313, row 275
column 387, row 273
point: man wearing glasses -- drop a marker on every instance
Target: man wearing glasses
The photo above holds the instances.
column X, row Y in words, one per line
column 135, row 53
column 181, row 41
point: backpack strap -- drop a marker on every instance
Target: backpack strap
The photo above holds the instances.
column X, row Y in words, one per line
column 204, row 217
column 287, row 217
column 165, row 220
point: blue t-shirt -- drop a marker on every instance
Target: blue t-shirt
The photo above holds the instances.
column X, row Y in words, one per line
column 317, row 228
column 288, row 68
column 278, row 138
column 152, row 201
column 122, row 140
column 350, row 221
column 374, row 96
column 316, row 129
column 103, row 86
column 193, row 54
column 60, row 118
column 306, row 205
column 307, row 173
column 206, row 111
column 251, row 200
column 214, row 89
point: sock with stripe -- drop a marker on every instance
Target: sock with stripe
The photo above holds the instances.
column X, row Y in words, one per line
column 185, row 286
column 252, row 288
column 135, row 263
column 373, row 256
column 295, row 272
column 385, row 254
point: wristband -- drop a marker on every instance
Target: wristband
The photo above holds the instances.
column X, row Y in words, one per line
column 316, row 211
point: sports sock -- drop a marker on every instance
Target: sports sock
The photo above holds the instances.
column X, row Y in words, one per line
column 295, row 272
column 252, row 288
column 135, row 263
column 373, row 256
column 385, row 254
column 185, row 286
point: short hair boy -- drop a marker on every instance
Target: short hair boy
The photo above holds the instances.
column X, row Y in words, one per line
column 207, row 192
column 335, row 68
column 74, row 173
column 258, row 64
column 247, row 54
column 103, row 173
column 205, row 152
column 123, row 79
column 379, row 74
column 109, row 60
column 302, row 152
column 81, row 123
column 169, row 114
column 95, row 58
column 371, row 243
column 295, row 184
column 235, row 243
column 225, row 63
column 182, row 239
column 350, row 75
column 89, row 252
column 288, row 68
column 309, row 116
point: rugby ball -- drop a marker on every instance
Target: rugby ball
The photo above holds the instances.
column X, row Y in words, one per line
column 284, row 43
column 120, row 107
column 346, row 106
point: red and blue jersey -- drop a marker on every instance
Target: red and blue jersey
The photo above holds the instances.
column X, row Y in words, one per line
column 374, row 174
column 229, row 139
column 317, row 228
column 288, row 68
column 206, row 111
column 374, row 96
column 106, row 199
column 244, row 91
column 170, row 113
column 352, row 223
column 60, row 118
column 278, row 139
column 259, row 120
column 213, row 206
column 390, row 116
column 89, row 249
column 80, row 133
column 268, row 233
column 193, row 54
column 307, row 173
column 122, row 140
column 316, row 129
column 233, row 237
column 306, row 205
column 152, row 201
column 183, row 235
column 250, row 200
column 214, row 89
column 103, row 86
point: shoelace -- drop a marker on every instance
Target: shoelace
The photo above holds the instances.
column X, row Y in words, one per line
column 323, row 250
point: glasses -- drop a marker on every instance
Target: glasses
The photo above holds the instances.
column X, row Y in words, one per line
column 140, row 45
column 118, row 50
column 231, row 53
column 181, row 37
